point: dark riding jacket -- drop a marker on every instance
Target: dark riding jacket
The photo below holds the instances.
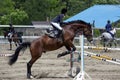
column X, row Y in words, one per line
column 11, row 30
column 58, row 19
column 108, row 27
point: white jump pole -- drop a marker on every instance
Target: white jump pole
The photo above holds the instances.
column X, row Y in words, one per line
column 80, row 75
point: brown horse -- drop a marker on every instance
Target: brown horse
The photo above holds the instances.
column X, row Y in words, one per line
column 16, row 38
column 45, row 43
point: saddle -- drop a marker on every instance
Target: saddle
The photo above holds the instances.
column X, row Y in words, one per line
column 111, row 34
column 54, row 33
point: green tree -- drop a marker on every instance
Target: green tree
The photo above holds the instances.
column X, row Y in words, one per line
column 8, row 13
column 15, row 17
column 106, row 2
column 6, row 6
column 41, row 9
column 18, row 4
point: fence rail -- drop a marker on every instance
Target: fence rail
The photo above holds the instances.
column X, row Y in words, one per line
column 34, row 37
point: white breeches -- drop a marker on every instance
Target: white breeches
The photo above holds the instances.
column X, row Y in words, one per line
column 10, row 35
column 56, row 25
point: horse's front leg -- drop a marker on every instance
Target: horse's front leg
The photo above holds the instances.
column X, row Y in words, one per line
column 16, row 44
column 70, row 50
column 63, row 54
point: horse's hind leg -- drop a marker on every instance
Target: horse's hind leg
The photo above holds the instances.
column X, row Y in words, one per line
column 115, row 43
column 10, row 45
column 30, row 63
column 16, row 44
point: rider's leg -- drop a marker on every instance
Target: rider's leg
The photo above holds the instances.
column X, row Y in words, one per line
column 57, row 26
column 10, row 35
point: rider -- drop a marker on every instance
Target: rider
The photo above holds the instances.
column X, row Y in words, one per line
column 11, row 30
column 108, row 28
column 57, row 21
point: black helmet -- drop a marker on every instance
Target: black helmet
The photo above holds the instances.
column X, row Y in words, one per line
column 63, row 11
column 108, row 21
column 10, row 24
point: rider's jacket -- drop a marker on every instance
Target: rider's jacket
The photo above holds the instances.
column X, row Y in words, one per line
column 58, row 19
column 108, row 27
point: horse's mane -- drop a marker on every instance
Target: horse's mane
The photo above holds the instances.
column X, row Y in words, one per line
column 76, row 21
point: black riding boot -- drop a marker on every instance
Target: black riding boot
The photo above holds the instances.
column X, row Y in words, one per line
column 59, row 36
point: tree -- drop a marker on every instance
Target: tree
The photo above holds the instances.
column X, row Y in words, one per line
column 106, row 2
column 6, row 6
column 9, row 14
column 39, row 10
column 15, row 17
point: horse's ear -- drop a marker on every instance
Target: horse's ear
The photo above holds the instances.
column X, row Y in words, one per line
column 89, row 24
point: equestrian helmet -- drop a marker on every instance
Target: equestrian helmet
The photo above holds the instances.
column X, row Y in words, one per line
column 63, row 11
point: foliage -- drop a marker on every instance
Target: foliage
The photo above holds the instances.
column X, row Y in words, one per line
column 96, row 33
column 6, row 6
column 106, row 1
column 15, row 17
column 118, row 33
column 41, row 10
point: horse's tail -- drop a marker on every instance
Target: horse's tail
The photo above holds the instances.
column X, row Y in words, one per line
column 14, row 57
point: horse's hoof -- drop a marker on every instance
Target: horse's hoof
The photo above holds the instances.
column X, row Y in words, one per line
column 59, row 55
column 30, row 77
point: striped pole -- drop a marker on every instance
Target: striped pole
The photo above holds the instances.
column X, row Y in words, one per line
column 102, row 57
column 99, row 48
column 5, row 55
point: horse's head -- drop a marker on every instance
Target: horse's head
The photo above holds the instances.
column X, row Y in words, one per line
column 82, row 27
column 113, row 31
column 88, row 32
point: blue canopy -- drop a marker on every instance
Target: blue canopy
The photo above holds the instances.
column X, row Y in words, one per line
column 99, row 14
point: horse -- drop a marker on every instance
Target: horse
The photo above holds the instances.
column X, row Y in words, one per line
column 107, row 38
column 46, row 43
column 16, row 38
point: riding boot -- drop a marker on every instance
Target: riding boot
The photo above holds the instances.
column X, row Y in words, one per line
column 59, row 36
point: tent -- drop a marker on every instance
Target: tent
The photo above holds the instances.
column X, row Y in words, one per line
column 99, row 15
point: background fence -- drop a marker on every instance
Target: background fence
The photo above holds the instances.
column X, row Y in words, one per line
column 31, row 32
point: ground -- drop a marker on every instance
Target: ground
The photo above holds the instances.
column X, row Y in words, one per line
column 49, row 67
